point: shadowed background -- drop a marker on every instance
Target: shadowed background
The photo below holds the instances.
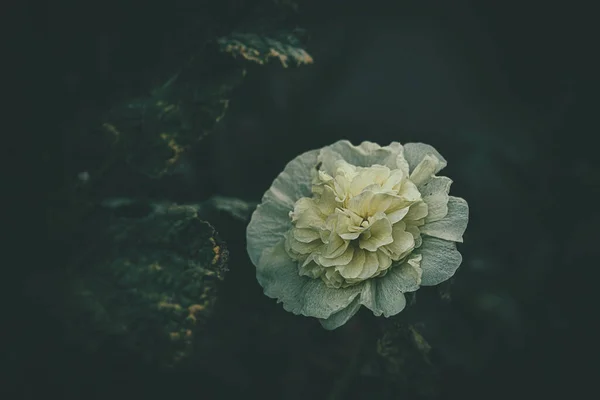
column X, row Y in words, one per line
column 504, row 92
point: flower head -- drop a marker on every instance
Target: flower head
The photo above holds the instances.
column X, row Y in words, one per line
column 345, row 226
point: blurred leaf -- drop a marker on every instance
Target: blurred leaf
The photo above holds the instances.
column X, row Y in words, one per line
column 150, row 283
column 285, row 47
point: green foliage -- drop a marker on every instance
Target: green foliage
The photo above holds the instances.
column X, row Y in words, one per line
column 148, row 283
column 145, row 275
column 285, row 47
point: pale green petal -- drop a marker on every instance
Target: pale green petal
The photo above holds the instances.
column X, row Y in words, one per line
column 369, row 153
column 279, row 277
column 382, row 298
column 371, row 265
column 384, row 261
column 415, row 152
column 405, row 277
column 342, row 259
column 295, row 181
column 377, row 174
column 341, row 317
column 269, row 223
column 453, row 226
column 380, row 202
column 409, row 192
column 397, row 215
column 306, row 235
column 440, row 260
column 396, row 178
column 360, row 204
column 341, row 185
column 435, row 194
column 332, row 278
column 346, row 169
column 402, row 164
column 301, row 247
column 328, row 159
column 355, row 267
column 326, row 202
column 350, row 235
column 311, row 269
column 336, row 246
column 308, row 215
column 380, row 234
column 403, row 241
column 416, row 232
column 417, row 211
column 425, row 170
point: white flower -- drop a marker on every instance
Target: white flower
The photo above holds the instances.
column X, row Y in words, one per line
column 346, row 226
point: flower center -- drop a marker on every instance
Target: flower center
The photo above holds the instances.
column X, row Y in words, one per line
column 359, row 222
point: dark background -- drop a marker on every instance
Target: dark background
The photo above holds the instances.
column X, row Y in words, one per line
column 505, row 92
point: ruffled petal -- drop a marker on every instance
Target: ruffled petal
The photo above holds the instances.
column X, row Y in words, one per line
column 453, row 226
column 367, row 154
column 278, row 275
column 387, row 299
column 306, row 235
column 376, row 174
column 416, row 232
column 398, row 214
column 311, row 269
column 417, row 211
column 435, row 194
column 269, row 223
column 403, row 241
column 341, row 317
column 270, row 220
column 371, row 265
column 415, row 152
column 379, row 234
column 342, row 259
column 440, row 260
column 425, row 170
column 355, row 267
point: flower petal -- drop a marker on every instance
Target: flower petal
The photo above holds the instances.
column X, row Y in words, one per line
column 269, row 223
column 440, row 260
column 405, row 277
column 416, row 232
column 278, row 275
column 369, row 153
column 435, row 194
column 355, row 267
column 270, row 220
column 376, row 174
column 453, row 226
column 380, row 234
column 415, row 152
column 311, row 269
column 336, row 246
column 409, row 192
column 417, row 211
column 295, row 181
column 403, row 241
column 298, row 247
column 371, row 265
column 398, row 214
column 306, row 214
column 305, row 235
column 341, row 317
column 342, row 259
column 425, row 170
column 382, row 298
